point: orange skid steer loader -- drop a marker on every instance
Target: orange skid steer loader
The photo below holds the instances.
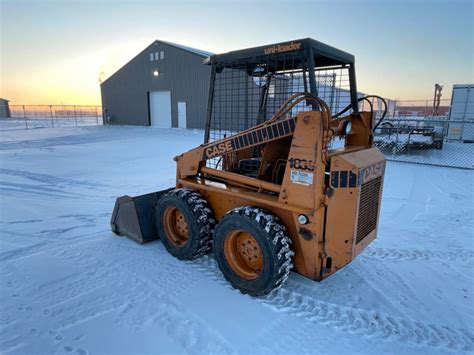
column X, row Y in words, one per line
column 282, row 182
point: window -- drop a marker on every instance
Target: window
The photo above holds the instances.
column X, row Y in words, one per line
column 156, row 55
column 162, row 55
column 151, row 57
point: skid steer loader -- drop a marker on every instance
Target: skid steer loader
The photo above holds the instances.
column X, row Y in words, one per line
column 287, row 177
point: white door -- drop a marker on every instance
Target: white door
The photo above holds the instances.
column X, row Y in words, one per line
column 160, row 109
column 182, row 114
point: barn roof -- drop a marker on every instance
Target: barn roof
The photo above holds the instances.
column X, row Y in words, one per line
column 196, row 51
column 189, row 49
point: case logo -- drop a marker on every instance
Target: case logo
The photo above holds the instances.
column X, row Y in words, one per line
column 350, row 179
column 372, row 172
column 218, row 149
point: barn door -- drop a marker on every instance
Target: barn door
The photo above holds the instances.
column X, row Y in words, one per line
column 160, row 109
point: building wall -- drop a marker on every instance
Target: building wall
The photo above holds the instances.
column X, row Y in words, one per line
column 125, row 93
column 4, row 109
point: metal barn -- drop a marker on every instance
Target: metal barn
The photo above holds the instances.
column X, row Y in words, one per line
column 4, row 108
column 166, row 85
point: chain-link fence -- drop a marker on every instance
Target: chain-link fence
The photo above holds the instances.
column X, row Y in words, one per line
column 41, row 116
column 434, row 140
column 409, row 133
column 422, row 132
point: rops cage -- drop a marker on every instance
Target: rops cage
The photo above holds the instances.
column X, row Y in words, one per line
column 248, row 86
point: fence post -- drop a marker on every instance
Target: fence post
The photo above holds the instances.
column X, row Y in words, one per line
column 75, row 115
column 96, row 116
column 51, row 112
column 397, row 142
column 36, row 116
column 24, row 115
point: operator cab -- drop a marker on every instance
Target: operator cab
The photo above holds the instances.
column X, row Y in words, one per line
column 249, row 86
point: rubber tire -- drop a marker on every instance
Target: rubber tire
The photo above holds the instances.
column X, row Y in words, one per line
column 438, row 144
column 200, row 219
column 274, row 242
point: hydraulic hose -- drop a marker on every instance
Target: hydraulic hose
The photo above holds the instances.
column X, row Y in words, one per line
column 366, row 98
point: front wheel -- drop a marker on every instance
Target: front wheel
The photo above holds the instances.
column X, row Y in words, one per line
column 252, row 249
column 185, row 224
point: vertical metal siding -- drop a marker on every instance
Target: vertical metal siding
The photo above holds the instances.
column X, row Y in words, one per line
column 125, row 93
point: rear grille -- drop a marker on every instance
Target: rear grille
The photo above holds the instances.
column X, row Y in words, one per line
column 368, row 208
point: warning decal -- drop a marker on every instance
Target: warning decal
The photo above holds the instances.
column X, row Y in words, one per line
column 300, row 177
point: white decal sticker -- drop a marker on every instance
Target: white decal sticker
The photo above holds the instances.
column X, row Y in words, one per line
column 300, row 177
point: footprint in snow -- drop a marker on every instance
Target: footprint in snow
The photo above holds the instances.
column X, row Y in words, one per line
column 438, row 293
column 25, row 308
column 68, row 348
column 54, row 334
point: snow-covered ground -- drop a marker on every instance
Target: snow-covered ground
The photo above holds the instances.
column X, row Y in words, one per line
column 68, row 285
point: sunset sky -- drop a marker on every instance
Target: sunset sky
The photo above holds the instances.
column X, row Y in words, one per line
column 54, row 52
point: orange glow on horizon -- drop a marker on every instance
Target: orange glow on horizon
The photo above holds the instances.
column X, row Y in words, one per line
column 76, row 81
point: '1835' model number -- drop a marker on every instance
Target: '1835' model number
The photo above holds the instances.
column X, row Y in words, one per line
column 301, row 164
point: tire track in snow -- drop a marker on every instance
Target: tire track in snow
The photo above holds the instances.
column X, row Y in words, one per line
column 21, row 252
column 188, row 332
column 35, row 190
column 8, row 345
column 152, row 301
column 48, row 179
column 354, row 320
column 84, row 136
column 46, row 246
column 45, row 185
column 417, row 255
column 370, row 323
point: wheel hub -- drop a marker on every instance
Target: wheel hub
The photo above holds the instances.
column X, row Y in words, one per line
column 243, row 254
column 176, row 226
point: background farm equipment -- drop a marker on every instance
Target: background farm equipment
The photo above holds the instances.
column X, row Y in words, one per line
column 404, row 134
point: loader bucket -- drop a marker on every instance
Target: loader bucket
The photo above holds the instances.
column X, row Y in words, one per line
column 134, row 217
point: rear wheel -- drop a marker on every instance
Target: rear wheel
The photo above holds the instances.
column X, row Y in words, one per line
column 185, row 223
column 252, row 249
